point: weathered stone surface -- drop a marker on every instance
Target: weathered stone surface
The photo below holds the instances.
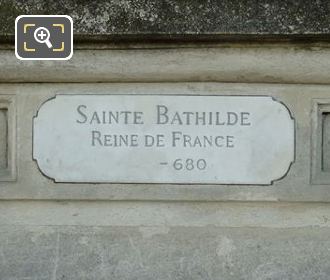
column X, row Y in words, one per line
column 102, row 253
column 169, row 18
column 3, row 139
column 162, row 240
column 295, row 186
column 236, row 64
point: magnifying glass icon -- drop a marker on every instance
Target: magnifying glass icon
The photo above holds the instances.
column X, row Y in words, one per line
column 41, row 35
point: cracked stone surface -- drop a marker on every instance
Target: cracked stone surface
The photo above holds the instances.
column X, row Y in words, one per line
column 101, row 253
column 171, row 18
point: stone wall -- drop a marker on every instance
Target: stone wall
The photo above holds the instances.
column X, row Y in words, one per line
column 194, row 20
column 280, row 230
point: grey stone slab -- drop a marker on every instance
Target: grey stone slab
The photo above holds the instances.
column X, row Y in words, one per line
column 158, row 68
column 280, row 64
column 101, row 253
column 295, row 186
column 168, row 19
column 160, row 215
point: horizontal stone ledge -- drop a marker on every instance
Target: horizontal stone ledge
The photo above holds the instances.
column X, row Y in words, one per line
column 127, row 40
column 178, row 17
column 264, row 64
column 164, row 214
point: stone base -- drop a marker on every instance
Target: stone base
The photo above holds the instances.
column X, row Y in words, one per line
column 78, row 252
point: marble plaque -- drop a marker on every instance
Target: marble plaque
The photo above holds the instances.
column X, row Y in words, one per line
column 172, row 139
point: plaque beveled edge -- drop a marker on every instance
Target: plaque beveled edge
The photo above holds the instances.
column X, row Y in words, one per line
column 294, row 140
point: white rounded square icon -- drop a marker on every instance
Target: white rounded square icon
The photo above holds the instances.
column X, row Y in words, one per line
column 43, row 37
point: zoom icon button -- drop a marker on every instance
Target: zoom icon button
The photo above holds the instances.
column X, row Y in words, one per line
column 43, row 37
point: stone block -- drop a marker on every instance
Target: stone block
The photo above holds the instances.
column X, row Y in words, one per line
column 127, row 253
